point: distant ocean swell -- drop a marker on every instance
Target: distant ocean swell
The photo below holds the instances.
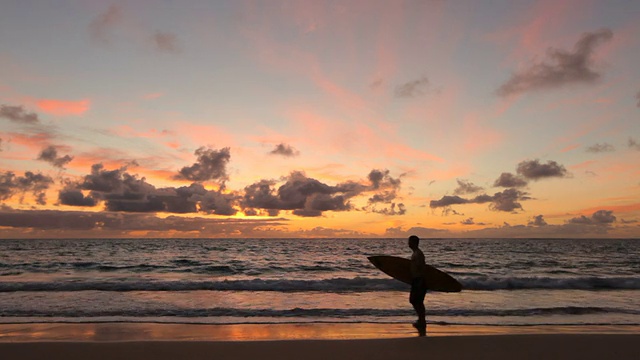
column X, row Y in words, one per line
column 319, row 313
column 358, row 284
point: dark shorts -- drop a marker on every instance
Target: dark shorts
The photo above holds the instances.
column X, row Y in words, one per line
column 418, row 291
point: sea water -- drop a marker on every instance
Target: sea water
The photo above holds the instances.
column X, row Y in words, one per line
column 506, row 282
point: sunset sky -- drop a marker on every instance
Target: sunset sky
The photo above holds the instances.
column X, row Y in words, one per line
column 319, row 118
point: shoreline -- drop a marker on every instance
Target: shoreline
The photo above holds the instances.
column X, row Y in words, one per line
column 162, row 332
column 310, row 341
column 506, row 347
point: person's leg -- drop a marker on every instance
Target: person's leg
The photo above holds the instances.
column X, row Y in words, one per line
column 416, row 298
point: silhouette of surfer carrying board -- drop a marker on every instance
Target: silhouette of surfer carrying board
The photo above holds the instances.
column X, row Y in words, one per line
column 418, row 284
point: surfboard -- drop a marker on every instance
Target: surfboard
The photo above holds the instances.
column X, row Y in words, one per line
column 400, row 269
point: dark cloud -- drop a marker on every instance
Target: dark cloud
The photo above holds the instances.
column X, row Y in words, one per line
column 166, row 42
column 0, row 144
column 50, row 155
column 538, row 220
column 121, row 223
column 534, row 170
column 101, row 26
column 385, row 190
column 508, row 180
column 35, row 183
column 561, row 68
column 211, row 165
column 468, row 221
column 466, row 187
column 638, row 98
column 261, row 195
column 18, row 114
column 102, row 180
column 124, row 192
column 391, row 210
column 422, row 232
column 284, row 150
column 598, row 148
column 306, row 196
column 412, row 88
column 217, row 202
column 507, row 200
column 448, row 200
column 633, row 144
column 381, row 179
column 600, row 217
column 75, row 197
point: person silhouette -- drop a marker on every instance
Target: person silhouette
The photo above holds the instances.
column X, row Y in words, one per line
column 418, row 285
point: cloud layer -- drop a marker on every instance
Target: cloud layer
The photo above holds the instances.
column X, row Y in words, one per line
column 561, row 68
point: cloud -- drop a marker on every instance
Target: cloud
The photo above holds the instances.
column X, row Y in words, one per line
column 36, row 183
column 448, row 200
column 102, row 25
column 466, row 187
column 119, row 224
column 468, row 221
column 538, row 220
column 638, row 98
column 385, row 190
column 600, row 218
column 507, row 200
column 381, row 179
column 284, row 150
column 64, row 107
column 50, row 155
column 306, row 196
column 18, row 114
column 165, row 42
column 509, row 180
column 74, row 197
column 598, row 148
column 392, row 210
column 422, row 232
column 633, row 144
column 534, row 170
column 211, row 165
column 412, row 88
column 124, row 192
column 561, row 68
column 0, row 144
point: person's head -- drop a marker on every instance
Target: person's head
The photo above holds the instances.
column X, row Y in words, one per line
column 414, row 241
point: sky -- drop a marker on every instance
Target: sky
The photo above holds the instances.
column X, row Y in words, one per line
column 345, row 119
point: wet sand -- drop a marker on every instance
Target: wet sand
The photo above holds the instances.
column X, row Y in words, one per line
column 316, row 341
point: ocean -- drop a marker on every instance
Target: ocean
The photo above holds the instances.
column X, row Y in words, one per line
column 507, row 282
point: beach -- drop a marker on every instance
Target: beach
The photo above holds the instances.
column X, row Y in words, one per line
column 318, row 341
column 241, row 299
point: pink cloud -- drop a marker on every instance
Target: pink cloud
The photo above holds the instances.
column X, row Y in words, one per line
column 35, row 142
column 582, row 165
column 152, row 96
column 570, row 147
column 63, row 107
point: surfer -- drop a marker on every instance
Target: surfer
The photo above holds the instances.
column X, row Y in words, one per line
column 418, row 286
